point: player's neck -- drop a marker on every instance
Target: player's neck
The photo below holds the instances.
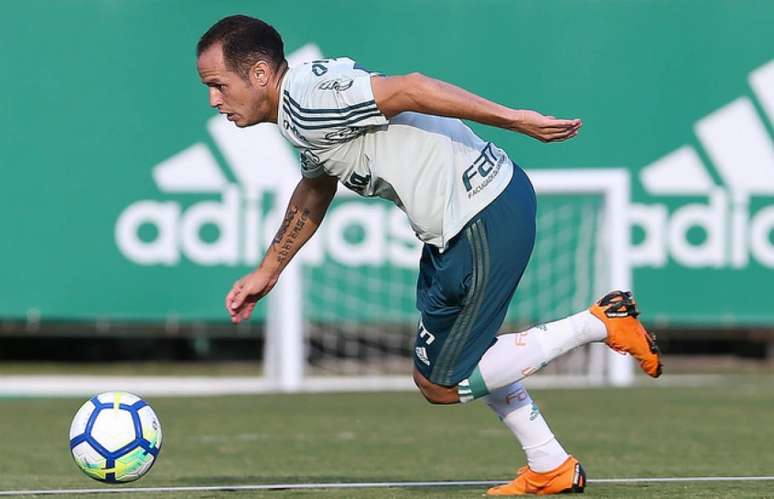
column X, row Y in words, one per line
column 275, row 94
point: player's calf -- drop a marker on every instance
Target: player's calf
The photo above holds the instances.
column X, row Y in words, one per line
column 515, row 356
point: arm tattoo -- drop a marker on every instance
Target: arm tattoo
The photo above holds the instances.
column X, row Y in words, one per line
column 289, row 232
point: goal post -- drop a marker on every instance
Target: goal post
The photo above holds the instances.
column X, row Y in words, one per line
column 613, row 184
column 363, row 340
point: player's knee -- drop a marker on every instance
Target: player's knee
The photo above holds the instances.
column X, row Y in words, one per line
column 435, row 394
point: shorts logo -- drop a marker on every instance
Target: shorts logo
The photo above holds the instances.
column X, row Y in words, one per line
column 424, row 333
column 426, row 336
column 422, row 355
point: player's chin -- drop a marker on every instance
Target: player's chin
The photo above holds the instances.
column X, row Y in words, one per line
column 244, row 123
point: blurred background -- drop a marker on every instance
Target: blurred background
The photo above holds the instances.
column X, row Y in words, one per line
column 129, row 207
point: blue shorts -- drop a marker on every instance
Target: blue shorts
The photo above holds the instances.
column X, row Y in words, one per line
column 463, row 293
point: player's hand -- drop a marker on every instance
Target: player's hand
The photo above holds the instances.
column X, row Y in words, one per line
column 545, row 128
column 245, row 293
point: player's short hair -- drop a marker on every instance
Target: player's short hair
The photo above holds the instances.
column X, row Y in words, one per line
column 245, row 40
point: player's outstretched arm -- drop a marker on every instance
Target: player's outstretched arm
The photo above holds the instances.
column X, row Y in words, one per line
column 305, row 211
column 419, row 93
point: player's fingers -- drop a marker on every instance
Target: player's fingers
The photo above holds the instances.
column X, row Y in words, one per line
column 234, row 316
column 562, row 139
column 553, row 127
column 247, row 311
column 230, row 297
column 235, row 288
column 229, row 308
column 238, row 299
column 565, row 133
column 571, row 129
column 556, row 131
column 238, row 313
column 563, row 124
column 564, row 136
column 574, row 130
column 250, row 310
column 552, row 136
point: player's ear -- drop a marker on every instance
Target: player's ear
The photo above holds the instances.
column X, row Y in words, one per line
column 261, row 72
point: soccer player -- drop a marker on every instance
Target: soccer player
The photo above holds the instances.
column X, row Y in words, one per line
column 401, row 138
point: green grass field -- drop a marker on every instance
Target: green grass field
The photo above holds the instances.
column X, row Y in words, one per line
column 719, row 430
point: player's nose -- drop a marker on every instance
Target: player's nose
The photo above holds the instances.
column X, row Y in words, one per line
column 215, row 98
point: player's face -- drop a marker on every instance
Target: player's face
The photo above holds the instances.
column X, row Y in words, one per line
column 244, row 101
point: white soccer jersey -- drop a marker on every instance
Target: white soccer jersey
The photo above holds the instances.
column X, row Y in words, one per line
column 435, row 169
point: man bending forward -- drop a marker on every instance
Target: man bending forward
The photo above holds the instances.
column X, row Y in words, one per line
column 400, row 138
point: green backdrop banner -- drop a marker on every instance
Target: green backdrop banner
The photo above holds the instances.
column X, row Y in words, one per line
column 125, row 197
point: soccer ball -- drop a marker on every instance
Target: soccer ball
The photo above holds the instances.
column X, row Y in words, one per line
column 115, row 437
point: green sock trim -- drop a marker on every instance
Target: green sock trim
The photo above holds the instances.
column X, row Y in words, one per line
column 477, row 386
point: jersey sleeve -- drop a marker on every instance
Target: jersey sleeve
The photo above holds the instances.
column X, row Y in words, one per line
column 331, row 101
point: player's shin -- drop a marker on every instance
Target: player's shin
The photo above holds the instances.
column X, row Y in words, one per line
column 521, row 415
column 515, row 356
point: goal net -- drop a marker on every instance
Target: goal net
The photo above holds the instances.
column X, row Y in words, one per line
column 339, row 326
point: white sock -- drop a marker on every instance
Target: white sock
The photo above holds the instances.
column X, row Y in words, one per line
column 559, row 337
column 521, row 415
column 517, row 355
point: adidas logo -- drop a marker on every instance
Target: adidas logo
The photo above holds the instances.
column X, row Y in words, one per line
column 733, row 225
column 233, row 226
column 422, row 355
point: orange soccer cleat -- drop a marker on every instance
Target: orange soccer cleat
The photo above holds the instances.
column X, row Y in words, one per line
column 618, row 311
column 567, row 478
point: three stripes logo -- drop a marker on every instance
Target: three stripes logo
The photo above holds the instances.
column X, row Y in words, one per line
column 735, row 223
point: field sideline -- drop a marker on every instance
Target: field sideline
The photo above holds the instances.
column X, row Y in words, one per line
column 707, row 431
